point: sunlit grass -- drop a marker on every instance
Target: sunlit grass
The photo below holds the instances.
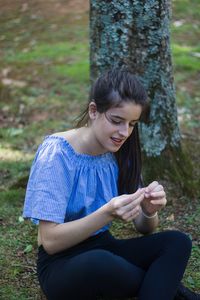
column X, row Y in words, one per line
column 39, row 53
column 9, row 155
column 78, row 71
column 186, row 57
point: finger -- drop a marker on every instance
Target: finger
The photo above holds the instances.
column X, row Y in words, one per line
column 138, row 193
column 151, row 186
column 126, row 199
column 160, row 194
column 157, row 188
column 132, row 200
column 127, row 216
column 134, row 204
column 133, row 214
column 137, row 201
column 122, row 201
column 162, row 202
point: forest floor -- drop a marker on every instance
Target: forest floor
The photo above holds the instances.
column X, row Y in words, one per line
column 44, row 82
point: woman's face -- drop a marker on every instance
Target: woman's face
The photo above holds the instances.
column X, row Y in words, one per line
column 112, row 128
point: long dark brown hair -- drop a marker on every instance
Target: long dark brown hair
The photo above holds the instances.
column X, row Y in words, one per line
column 111, row 89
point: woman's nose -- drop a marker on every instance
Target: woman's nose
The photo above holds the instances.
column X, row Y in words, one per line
column 124, row 130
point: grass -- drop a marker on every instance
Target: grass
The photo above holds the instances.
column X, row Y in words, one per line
column 44, row 52
column 186, row 10
column 48, row 54
column 186, row 57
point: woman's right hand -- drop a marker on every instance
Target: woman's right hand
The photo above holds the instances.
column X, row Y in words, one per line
column 126, row 207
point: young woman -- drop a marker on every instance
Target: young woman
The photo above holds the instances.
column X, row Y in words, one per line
column 83, row 179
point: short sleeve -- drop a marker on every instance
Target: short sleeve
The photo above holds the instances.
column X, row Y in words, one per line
column 49, row 185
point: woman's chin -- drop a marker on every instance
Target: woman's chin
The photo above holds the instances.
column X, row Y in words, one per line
column 113, row 148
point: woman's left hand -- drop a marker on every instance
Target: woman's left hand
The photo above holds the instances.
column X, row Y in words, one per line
column 154, row 198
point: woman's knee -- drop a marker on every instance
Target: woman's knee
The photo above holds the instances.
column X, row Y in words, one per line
column 96, row 262
column 179, row 241
column 104, row 264
column 101, row 260
column 115, row 276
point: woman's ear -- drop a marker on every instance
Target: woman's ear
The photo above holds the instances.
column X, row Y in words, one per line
column 92, row 110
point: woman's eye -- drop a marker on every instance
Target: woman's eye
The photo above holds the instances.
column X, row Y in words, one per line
column 115, row 122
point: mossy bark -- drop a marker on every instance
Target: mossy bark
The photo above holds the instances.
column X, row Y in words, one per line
column 136, row 33
column 174, row 164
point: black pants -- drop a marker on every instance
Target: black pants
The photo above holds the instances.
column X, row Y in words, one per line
column 150, row 267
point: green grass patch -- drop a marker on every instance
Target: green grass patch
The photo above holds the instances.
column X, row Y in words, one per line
column 16, row 235
column 192, row 275
column 14, row 167
column 186, row 57
column 78, row 71
column 189, row 29
column 186, row 9
column 44, row 52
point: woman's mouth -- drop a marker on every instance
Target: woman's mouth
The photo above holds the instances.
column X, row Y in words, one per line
column 116, row 141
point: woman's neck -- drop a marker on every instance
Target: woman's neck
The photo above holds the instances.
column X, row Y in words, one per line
column 86, row 142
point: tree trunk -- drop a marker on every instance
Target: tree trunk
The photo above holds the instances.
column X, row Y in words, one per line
column 136, row 33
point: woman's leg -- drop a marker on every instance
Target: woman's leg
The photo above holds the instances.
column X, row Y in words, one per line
column 164, row 256
column 90, row 274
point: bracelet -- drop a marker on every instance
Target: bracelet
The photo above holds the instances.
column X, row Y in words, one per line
column 150, row 217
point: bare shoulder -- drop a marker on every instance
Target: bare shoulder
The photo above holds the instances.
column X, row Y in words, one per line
column 77, row 138
column 71, row 136
column 68, row 135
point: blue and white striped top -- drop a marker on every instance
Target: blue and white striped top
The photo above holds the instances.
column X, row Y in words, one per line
column 65, row 185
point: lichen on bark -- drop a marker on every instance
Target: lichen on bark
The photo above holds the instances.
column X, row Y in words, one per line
column 110, row 23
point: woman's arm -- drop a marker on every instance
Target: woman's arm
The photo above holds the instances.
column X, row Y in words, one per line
column 57, row 237
column 146, row 224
